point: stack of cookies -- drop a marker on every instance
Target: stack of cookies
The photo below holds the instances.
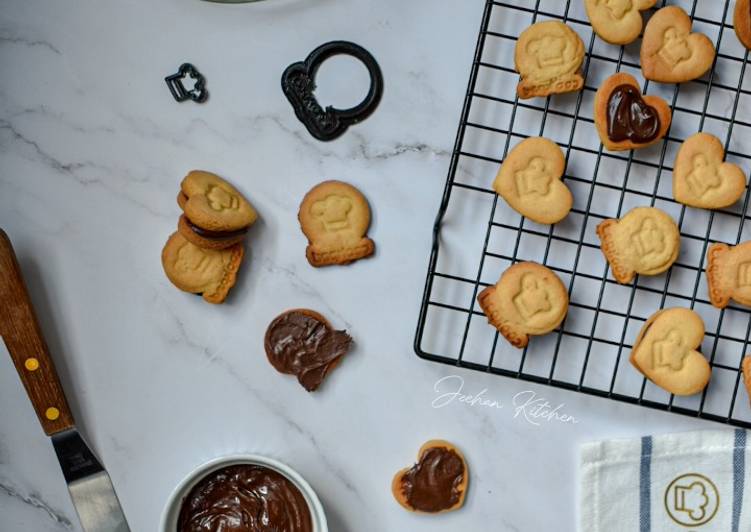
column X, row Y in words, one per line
column 205, row 253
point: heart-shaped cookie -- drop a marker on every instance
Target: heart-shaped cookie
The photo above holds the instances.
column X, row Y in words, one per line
column 670, row 53
column 213, row 204
column 701, row 178
column 665, row 351
column 437, row 483
column 216, row 215
column 617, row 21
column 627, row 120
column 530, row 181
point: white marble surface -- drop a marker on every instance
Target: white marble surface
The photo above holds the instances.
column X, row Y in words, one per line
column 92, row 148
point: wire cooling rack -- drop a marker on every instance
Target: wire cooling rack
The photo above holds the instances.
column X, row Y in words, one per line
column 477, row 235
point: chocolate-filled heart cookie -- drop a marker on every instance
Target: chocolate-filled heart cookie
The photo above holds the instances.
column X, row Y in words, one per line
column 626, row 119
column 437, row 483
column 216, row 215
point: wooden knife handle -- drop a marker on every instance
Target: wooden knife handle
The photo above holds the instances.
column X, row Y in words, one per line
column 23, row 337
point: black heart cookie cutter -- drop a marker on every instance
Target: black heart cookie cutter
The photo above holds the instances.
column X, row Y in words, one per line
column 198, row 93
column 298, row 84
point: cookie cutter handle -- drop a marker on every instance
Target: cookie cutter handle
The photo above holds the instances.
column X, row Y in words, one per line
column 364, row 109
column 20, row 330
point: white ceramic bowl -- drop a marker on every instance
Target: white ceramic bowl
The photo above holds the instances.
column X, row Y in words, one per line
column 172, row 510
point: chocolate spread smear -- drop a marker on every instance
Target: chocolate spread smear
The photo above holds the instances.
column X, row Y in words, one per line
column 298, row 343
column 630, row 118
column 432, row 485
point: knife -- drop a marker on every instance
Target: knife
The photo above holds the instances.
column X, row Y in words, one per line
column 89, row 484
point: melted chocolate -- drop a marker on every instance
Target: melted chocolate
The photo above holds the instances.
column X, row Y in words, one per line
column 215, row 235
column 432, row 485
column 630, row 118
column 245, row 498
column 300, row 344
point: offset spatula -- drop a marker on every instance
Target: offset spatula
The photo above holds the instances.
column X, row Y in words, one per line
column 89, row 484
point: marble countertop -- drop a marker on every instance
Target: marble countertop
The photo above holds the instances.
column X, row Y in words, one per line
column 92, row 149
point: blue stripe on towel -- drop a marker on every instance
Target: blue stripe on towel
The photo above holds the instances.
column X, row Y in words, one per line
column 645, row 483
column 739, row 474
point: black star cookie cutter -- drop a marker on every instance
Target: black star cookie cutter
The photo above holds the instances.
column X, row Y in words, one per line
column 198, row 93
column 298, row 84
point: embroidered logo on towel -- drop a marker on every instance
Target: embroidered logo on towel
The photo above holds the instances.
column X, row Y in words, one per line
column 692, row 500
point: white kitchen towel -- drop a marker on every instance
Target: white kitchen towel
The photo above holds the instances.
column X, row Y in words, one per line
column 675, row 482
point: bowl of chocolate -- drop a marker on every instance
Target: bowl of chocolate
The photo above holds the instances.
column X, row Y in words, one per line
column 244, row 493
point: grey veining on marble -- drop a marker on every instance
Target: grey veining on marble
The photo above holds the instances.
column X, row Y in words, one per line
column 92, row 149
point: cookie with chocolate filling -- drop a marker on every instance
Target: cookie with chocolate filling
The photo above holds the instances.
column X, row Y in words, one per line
column 437, row 483
column 626, row 119
column 216, row 214
column 302, row 343
column 209, row 272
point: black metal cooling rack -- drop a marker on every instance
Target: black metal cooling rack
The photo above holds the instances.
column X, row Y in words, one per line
column 476, row 235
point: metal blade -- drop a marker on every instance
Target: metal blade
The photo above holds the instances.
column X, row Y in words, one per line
column 89, row 485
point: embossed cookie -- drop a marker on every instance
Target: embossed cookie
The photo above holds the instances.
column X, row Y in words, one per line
column 335, row 217
column 548, row 57
column 625, row 119
column 437, row 483
column 742, row 21
column 528, row 300
column 302, row 343
column 209, row 272
column 670, row 53
column 645, row 241
column 216, row 216
column 530, row 181
column 665, row 351
column 702, row 179
column 617, row 21
column 729, row 274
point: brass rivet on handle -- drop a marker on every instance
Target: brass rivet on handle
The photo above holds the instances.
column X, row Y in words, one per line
column 52, row 413
column 32, row 364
